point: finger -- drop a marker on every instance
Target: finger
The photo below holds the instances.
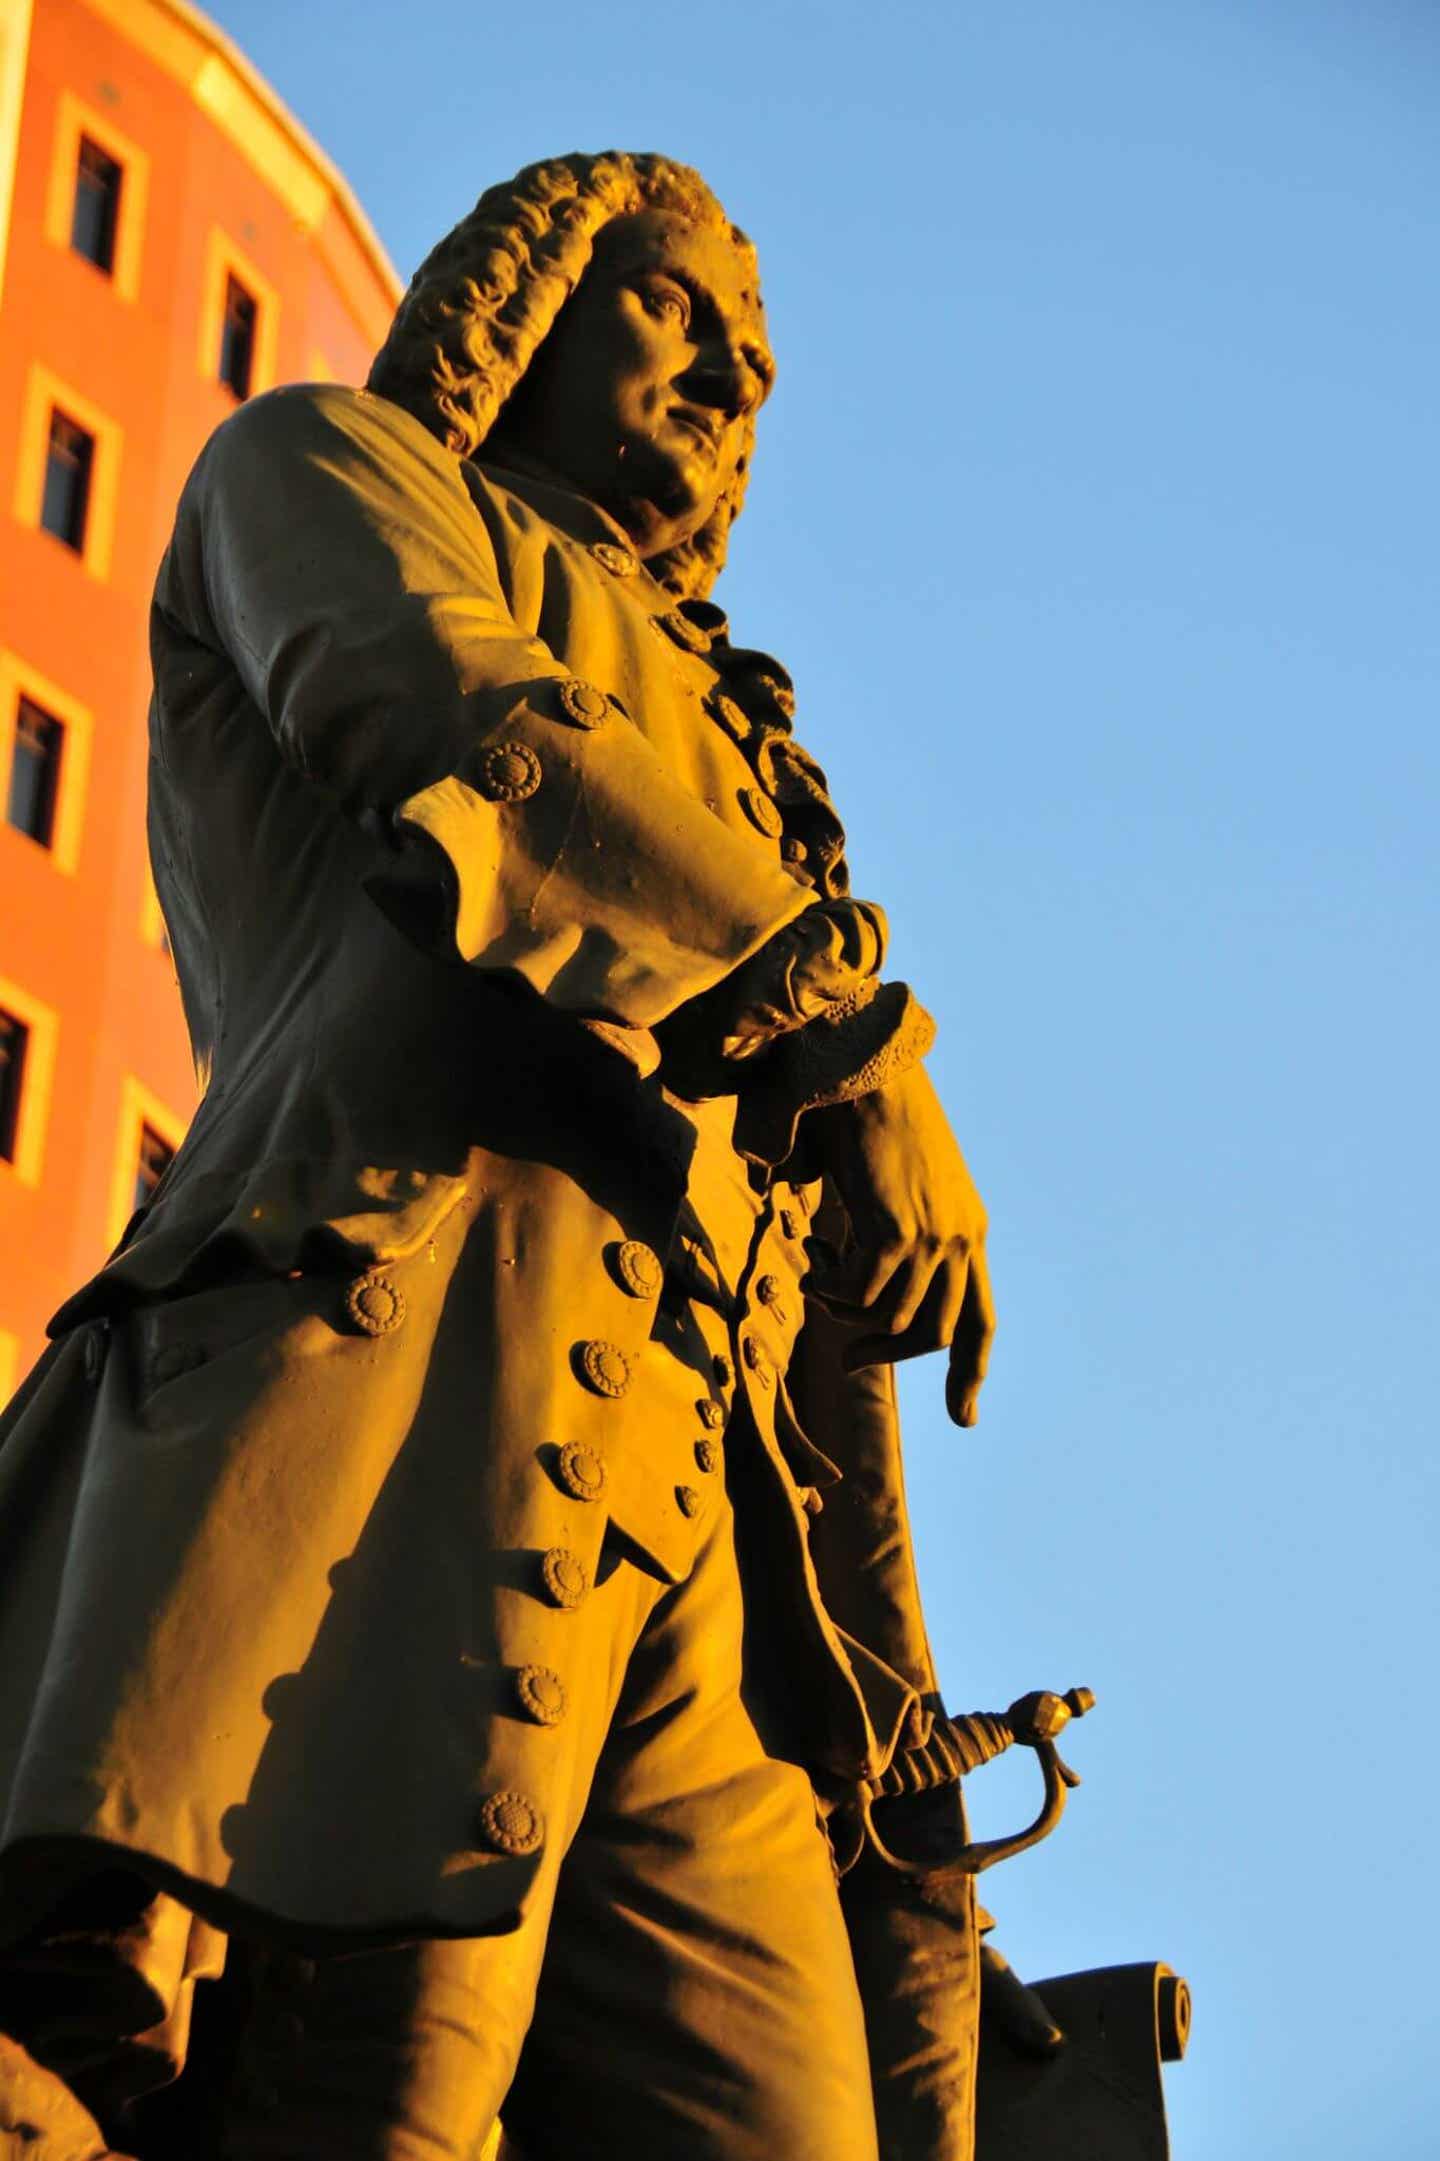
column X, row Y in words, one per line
column 930, row 1328
column 985, row 1301
column 954, row 1280
column 959, row 1391
column 970, row 1351
column 864, row 1277
column 884, row 1350
column 898, row 1291
column 885, row 1341
column 838, row 1301
column 911, row 1287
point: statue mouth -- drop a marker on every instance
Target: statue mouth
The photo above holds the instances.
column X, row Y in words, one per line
column 706, row 427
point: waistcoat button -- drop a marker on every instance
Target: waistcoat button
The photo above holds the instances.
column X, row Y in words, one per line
column 757, row 1359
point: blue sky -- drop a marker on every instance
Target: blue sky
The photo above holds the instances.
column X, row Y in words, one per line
column 1095, row 515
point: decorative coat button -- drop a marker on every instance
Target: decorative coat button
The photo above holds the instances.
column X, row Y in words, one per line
column 605, row 1367
column 375, row 1304
column 767, row 1290
column 617, row 560
column 639, row 1269
column 679, row 627
column 707, row 1455
column 728, row 715
column 712, row 1414
column 541, row 1693
column 757, row 1359
column 583, row 703
column 761, row 812
column 792, row 850
column 564, row 1575
column 722, row 1369
column 689, row 1500
column 508, row 772
column 92, row 1357
column 511, row 1824
column 581, row 1471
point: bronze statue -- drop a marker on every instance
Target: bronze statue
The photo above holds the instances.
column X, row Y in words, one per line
column 459, row 1644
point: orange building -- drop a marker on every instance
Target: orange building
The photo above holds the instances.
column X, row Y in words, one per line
column 170, row 241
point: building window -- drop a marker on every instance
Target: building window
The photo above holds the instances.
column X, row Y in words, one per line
column 67, row 475
column 154, row 1159
column 29, row 1035
column 44, row 762
column 96, row 192
column 14, row 1043
column 35, row 771
column 69, row 463
column 95, row 219
column 147, row 1135
column 238, row 321
column 237, row 338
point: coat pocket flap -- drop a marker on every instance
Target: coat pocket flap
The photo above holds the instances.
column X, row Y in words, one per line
column 278, row 1216
column 647, row 1525
column 177, row 1336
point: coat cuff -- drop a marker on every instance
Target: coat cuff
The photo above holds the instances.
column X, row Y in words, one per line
column 879, row 1034
column 561, row 848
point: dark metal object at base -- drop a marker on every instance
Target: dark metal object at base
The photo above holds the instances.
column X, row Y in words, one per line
column 1100, row 2097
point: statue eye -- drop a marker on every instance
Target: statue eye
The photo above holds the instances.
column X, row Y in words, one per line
column 668, row 301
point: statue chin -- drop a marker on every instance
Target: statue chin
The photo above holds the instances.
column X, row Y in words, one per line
column 664, row 510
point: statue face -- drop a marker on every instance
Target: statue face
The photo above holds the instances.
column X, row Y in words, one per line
column 640, row 394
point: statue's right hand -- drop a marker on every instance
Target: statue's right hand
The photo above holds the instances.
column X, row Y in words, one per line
column 916, row 1270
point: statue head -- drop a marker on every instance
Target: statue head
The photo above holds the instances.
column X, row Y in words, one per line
column 601, row 317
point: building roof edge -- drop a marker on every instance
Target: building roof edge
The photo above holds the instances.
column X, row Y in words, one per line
column 299, row 137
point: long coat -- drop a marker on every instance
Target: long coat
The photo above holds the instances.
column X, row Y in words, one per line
column 450, row 805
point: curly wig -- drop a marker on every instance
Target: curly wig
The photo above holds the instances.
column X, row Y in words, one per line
column 484, row 298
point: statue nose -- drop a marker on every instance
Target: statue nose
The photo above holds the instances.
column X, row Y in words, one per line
column 721, row 377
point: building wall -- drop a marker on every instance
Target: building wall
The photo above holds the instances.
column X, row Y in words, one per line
column 218, row 179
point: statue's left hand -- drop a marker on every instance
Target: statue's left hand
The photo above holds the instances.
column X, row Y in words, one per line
column 917, row 1271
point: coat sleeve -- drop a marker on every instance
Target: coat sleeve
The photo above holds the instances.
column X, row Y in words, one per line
column 327, row 543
